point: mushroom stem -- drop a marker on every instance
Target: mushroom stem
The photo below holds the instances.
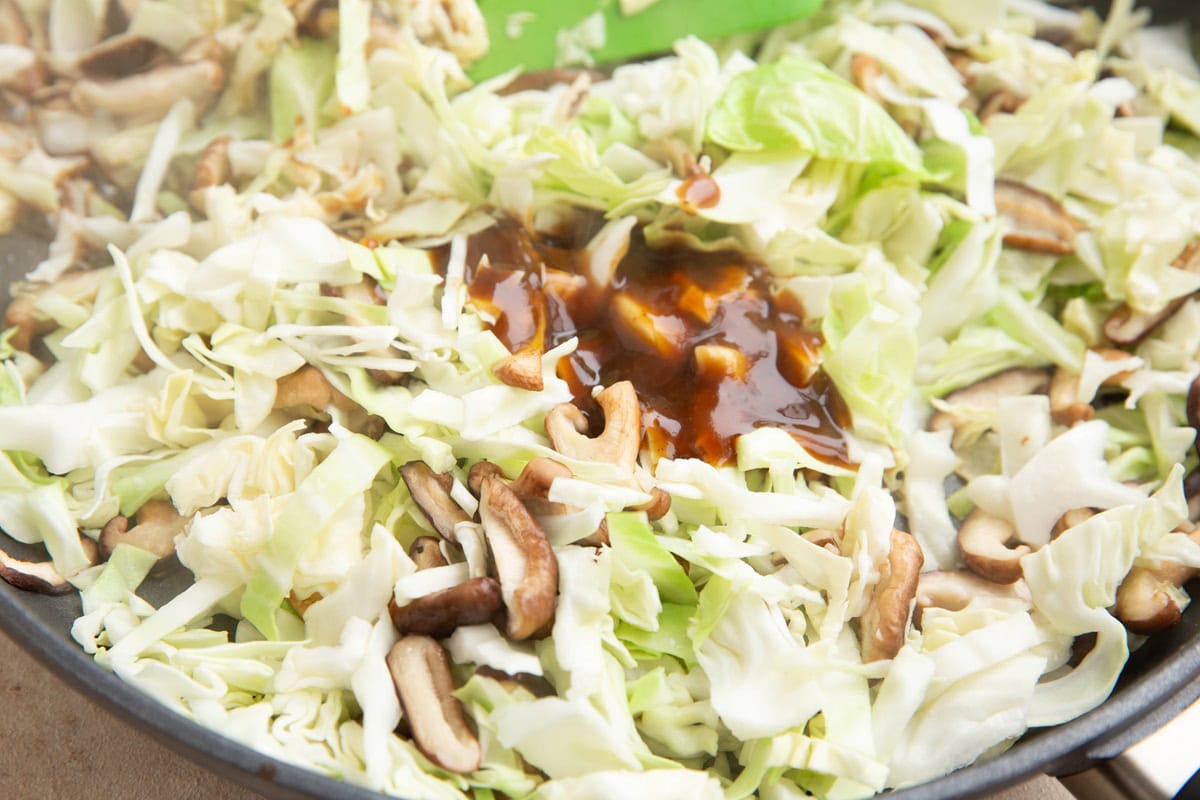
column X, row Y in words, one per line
column 156, row 525
column 618, row 444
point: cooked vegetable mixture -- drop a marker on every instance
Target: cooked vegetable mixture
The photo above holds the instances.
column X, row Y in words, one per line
column 803, row 413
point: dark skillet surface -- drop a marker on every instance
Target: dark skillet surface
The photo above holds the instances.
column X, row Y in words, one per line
column 1160, row 679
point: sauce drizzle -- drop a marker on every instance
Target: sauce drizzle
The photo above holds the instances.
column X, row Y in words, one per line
column 712, row 356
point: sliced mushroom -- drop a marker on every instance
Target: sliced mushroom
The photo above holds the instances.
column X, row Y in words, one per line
column 1070, row 519
column 823, row 537
column 1149, row 599
column 1128, row 328
column 534, row 482
column 522, row 370
column 886, row 618
column 426, row 553
column 1065, row 405
column 954, row 590
column 524, row 559
column 21, row 314
column 438, row 614
column 657, row 506
column 1037, row 221
column 421, row 672
column 478, row 472
column 212, row 169
column 984, row 543
column 156, row 524
column 985, row 394
column 308, row 387
column 536, row 685
column 618, row 444
column 78, row 285
column 123, row 54
column 33, row 576
column 151, row 94
column 1002, row 101
column 431, row 492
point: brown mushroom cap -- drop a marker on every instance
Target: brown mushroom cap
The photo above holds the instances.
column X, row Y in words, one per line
column 33, row 576
column 1145, row 603
column 525, row 561
column 886, row 618
column 1149, row 599
column 123, row 54
column 431, row 492
column 437, row 614
column 156, row 524
column 984, row 544
column 421, row 672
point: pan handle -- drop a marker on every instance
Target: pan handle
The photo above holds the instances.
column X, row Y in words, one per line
column 1137, row 766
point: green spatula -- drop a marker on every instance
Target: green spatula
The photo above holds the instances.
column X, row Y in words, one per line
column 524, row 33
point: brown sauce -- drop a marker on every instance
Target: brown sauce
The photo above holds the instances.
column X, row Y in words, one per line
column 698, row 190
column 710, row 353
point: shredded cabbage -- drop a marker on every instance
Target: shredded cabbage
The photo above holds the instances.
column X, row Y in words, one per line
column 266, row 311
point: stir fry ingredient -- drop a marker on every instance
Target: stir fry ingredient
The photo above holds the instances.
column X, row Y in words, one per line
column 806, row 413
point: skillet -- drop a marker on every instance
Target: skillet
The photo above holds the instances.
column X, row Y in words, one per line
column 1160, row 679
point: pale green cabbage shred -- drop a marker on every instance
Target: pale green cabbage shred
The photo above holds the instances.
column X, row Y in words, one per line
column 740, row 675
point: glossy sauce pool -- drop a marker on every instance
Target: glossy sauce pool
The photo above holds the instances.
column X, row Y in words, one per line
column 711, row 353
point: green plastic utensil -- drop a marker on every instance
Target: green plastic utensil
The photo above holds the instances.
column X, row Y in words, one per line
column 524, row 33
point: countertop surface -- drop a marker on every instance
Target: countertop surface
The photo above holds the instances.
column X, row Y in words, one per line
column 55, row 744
